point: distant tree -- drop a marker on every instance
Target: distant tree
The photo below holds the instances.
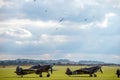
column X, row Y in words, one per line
column 3, row 64
column 59, row 63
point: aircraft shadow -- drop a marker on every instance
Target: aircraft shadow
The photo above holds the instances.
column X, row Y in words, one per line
column 20, row 77
column 79, row 76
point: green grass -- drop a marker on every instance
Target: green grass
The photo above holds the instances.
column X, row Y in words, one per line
column 109, row 74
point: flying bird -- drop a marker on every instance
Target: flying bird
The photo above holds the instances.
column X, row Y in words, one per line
column 61, row 19
column 45, row 10
column 85, row 19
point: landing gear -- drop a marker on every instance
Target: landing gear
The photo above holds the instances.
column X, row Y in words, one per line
column 95, row 75
column 118, row 75
column 21, row 76
column 48, row 75
column 40, row 75
column 90, row 75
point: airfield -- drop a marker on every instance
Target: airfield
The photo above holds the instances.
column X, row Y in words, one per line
column 7, row 73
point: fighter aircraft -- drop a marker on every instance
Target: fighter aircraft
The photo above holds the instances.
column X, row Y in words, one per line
column 37, row 69
column 91, row 71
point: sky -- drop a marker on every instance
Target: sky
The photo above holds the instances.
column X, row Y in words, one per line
column 60, row 29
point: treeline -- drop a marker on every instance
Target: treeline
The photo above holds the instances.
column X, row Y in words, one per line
column 54, row 62
column 34, row 62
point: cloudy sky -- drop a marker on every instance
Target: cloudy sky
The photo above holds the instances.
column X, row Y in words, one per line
column 60, row 29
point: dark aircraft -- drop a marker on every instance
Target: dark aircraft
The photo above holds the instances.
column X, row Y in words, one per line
column 91, row 71
column 37, row 69
column 118, row 73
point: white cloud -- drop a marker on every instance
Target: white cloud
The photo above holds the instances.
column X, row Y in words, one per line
column 115, row 57
column 76, row 25
column 6, row 3
column 54, row 38
column 28, row 22
column 28, row 42
column 19, row 42
column 84, row 3
column 99, row 24
column 114, row 3
column 17, row 33
column 93, row 57
column 1, row 3
column 105, row 22
column 35, row 56
column 68, row 56
column 27, row 0
column 46, row 56
column 50, row 40
column 6, row 57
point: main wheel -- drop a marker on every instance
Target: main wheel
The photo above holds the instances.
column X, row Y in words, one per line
column 40, row 75
column 95, row 75
column 118, row 75
column 48, row 75
column 21, row 76
column 90, row 75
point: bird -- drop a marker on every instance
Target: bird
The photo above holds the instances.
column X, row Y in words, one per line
column 61, row 19
column 85, row 19
column 45, row 10
column 56, row 28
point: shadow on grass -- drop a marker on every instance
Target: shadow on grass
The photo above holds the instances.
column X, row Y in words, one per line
column 22, row 77
column 79, row 76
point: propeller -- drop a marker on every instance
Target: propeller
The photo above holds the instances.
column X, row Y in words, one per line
column 51, row 69
column 101, row 70
column 18, row 69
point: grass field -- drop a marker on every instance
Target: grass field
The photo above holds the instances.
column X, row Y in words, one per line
column 109, row 74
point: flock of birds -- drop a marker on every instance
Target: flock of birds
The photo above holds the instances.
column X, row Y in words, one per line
column 62, row 18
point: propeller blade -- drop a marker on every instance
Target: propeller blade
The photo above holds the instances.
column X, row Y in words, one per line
column 101, row 70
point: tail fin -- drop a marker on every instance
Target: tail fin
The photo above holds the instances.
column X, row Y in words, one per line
column 68, row 71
